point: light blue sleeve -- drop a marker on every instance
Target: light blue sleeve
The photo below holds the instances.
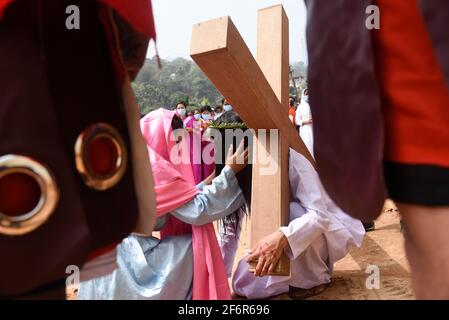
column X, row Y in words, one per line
column 200, row 186
column 214, row 202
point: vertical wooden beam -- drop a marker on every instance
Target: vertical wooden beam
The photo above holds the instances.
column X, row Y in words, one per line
column 273, row 51
column 270, row 193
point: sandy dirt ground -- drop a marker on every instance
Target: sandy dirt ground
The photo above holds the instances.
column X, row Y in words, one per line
column 382, row 247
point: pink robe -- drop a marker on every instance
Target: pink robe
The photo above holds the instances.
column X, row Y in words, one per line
column 195, row 147
column 207, row 166
column 174, row 187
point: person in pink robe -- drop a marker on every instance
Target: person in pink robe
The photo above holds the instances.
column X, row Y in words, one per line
column 193, row 125
column 186, row 261
column 207, row 148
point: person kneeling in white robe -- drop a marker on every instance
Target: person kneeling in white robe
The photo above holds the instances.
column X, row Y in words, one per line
column 318, row 235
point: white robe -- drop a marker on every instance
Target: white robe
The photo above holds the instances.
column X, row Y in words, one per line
column 319, row 234
column 303, row 113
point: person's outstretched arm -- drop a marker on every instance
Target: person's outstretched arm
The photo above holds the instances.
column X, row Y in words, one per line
column 215, row 202
column 219, row 199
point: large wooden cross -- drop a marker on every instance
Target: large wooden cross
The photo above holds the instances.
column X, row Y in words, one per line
column 258, row 91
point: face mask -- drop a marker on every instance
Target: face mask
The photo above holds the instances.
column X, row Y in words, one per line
column 197, row 116
column 206, row 116
column 218, row 115
column 181, row 112
column 306, row 99
column 227, row 107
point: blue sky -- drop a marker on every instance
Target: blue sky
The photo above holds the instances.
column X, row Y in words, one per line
column 175, row 18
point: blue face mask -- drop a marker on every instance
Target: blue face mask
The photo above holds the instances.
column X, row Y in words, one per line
column 227, row 107
column 306, row 99
column 197, row 116
column 206, row 116
column 181, row 112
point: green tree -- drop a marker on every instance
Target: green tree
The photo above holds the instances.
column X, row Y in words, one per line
column 179, row 79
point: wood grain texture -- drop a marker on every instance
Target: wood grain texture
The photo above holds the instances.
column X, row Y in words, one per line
column 270, row 207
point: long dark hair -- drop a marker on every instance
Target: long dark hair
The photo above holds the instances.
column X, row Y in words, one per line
column 206, row 108
column 176, row 123
column 244, row 177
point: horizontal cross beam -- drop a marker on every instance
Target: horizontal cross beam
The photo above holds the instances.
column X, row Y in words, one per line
column 219, row 50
